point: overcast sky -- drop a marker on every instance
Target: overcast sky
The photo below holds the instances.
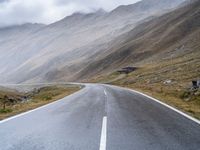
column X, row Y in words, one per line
column 48, row 11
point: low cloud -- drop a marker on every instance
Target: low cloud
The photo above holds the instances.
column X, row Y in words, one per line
column 48, row 11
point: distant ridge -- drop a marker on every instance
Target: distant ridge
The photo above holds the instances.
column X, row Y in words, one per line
column 62, row 50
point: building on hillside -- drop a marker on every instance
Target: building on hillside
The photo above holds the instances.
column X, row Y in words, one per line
column 127, row 70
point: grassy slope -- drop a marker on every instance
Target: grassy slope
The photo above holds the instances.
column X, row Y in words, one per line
column 44, row 96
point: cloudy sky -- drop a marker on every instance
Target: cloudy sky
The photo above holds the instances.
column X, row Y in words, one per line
column 48, row 11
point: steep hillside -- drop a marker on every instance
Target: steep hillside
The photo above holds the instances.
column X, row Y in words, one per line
column 164, row 38
column 61, row 50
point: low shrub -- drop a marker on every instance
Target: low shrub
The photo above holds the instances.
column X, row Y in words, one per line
column 47, row 97
column 5, row 110
column 185, row 94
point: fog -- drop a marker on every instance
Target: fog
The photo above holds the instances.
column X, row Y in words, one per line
column 47, row 11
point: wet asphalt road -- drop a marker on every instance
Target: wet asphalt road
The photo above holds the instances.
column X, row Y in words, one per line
column 134, row 122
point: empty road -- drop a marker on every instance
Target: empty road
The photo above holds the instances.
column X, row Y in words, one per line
column 101, row 117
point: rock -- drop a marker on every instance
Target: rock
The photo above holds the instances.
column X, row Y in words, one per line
column 167, row 82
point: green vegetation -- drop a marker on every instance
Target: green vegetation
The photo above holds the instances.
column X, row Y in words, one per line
column 4, row 101
column 12, row 103
column 191, row 95
column 4, row 110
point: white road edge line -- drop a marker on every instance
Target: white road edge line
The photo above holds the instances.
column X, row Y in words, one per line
column 103, row 134
column 162, row 103
column 166, row 105
column 30, row 111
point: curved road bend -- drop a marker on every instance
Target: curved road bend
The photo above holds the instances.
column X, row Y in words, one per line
column 101, row 117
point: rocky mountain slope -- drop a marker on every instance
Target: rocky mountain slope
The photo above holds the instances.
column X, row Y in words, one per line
column 173, row 35
column 64, row 50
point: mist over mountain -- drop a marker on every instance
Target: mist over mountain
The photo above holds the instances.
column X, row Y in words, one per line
column 174, row 35
column 62, row 51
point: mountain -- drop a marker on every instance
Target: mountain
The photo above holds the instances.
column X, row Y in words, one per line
column 172, row 36
column 63, row 50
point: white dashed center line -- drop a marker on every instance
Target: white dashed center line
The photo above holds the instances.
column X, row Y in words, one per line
column 103, row 134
